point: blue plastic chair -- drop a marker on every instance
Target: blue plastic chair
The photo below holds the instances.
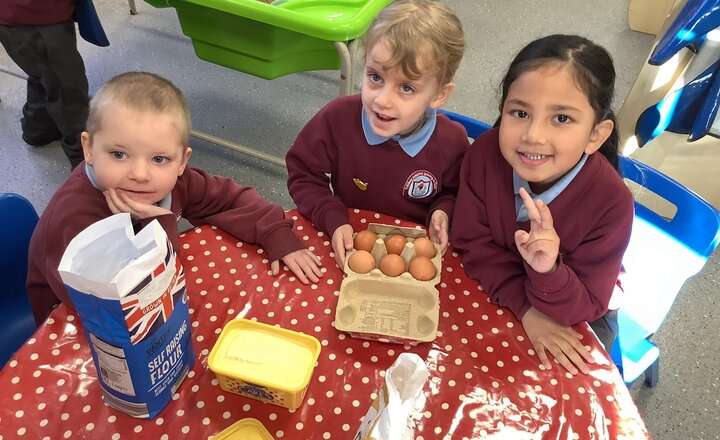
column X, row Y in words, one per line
column 17, row 223
column 473, row 127
column 662, row 254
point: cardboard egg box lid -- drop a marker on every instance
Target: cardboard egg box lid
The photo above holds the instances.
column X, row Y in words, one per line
column 398, row 309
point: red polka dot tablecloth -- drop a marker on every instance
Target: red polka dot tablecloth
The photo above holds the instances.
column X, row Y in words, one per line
column 485, row 380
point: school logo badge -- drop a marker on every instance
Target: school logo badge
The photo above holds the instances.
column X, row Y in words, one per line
column 420, row 184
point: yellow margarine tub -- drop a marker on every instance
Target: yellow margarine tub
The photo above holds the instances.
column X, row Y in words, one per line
column 266, row 363
column 245, row 429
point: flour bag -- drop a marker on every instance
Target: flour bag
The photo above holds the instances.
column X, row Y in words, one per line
column 129, row 291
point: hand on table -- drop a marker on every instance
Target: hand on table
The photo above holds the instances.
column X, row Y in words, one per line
column 120, row 201
column 342, row 241
column 539, row 247
column 303, row 263
column 438, row 230
column 561, row 341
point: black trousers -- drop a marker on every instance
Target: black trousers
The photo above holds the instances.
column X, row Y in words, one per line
column 57, row 88
column 606, row 329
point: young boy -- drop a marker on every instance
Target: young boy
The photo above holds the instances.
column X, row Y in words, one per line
column 136, row 154
column 387, row 149
column 39, row 35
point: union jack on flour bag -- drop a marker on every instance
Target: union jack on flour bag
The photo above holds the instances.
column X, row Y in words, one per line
column 129, row 291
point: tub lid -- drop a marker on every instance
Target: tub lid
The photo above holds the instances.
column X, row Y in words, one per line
column 245, row 429
column 260, row 354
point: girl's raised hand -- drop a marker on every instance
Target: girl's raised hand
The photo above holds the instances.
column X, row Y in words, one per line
column 539, row 247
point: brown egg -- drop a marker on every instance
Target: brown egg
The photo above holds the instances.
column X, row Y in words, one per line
column 422, row 269
column 364, row 240
column 395, row 244
column 424, row 247
column 392, row 265
column 361, row 262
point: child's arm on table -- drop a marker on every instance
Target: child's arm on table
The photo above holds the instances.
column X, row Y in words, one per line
column 342, row 242
column 245, row 214
column 438, row 229
column 442, row 208
column 311, row 161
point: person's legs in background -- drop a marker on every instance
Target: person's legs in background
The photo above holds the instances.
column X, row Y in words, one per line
column 57, row 94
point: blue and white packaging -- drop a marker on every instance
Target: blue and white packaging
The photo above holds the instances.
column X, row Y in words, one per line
column 129, row 291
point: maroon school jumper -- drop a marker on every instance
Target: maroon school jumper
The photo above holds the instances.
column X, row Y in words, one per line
column 379, row 178
column 35, row 12
column 593, row 217
column 198, row 196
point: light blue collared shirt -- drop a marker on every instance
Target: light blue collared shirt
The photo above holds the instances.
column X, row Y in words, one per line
column 90, row 171
column 547, row 196
column 411, row 145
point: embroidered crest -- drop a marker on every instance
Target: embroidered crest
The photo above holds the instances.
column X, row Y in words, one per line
column 420, row 184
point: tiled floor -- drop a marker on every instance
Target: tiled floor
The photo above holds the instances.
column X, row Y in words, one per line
column 268, row 114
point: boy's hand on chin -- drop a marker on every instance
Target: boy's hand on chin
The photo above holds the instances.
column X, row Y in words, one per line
column 119, row 201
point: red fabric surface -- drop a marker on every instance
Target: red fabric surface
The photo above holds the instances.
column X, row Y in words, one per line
column 485, row 380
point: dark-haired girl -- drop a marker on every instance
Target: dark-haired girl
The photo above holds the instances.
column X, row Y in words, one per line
column 542, row 215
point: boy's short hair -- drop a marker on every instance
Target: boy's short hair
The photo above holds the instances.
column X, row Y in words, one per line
column 144, row 92
column 419, row 28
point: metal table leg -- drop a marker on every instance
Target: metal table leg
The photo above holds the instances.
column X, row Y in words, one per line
column 347, row 53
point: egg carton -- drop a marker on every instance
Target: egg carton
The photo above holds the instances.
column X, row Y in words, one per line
column 398, row 309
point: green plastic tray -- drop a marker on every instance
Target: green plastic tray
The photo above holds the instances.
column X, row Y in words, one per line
column 270, row 41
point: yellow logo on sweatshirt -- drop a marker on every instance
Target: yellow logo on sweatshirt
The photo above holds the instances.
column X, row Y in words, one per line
column 360, row 184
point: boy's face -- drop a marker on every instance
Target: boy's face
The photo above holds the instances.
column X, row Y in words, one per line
column 395, row 104
column 138, row 153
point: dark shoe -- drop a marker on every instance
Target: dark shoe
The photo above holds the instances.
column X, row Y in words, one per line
column 39, row 141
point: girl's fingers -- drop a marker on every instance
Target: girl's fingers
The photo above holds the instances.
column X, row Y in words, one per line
column 546, row 219
column 540, row 350
column 562, row 359
column 521, row 237
column 275, row 267
column 532, row 209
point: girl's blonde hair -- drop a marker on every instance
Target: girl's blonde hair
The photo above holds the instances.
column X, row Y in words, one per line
column 144, row 92
column 419, row 30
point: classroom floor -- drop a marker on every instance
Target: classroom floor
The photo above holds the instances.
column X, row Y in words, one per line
column 267, row 115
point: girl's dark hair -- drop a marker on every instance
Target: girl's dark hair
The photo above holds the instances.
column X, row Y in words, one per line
column 593, row 70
